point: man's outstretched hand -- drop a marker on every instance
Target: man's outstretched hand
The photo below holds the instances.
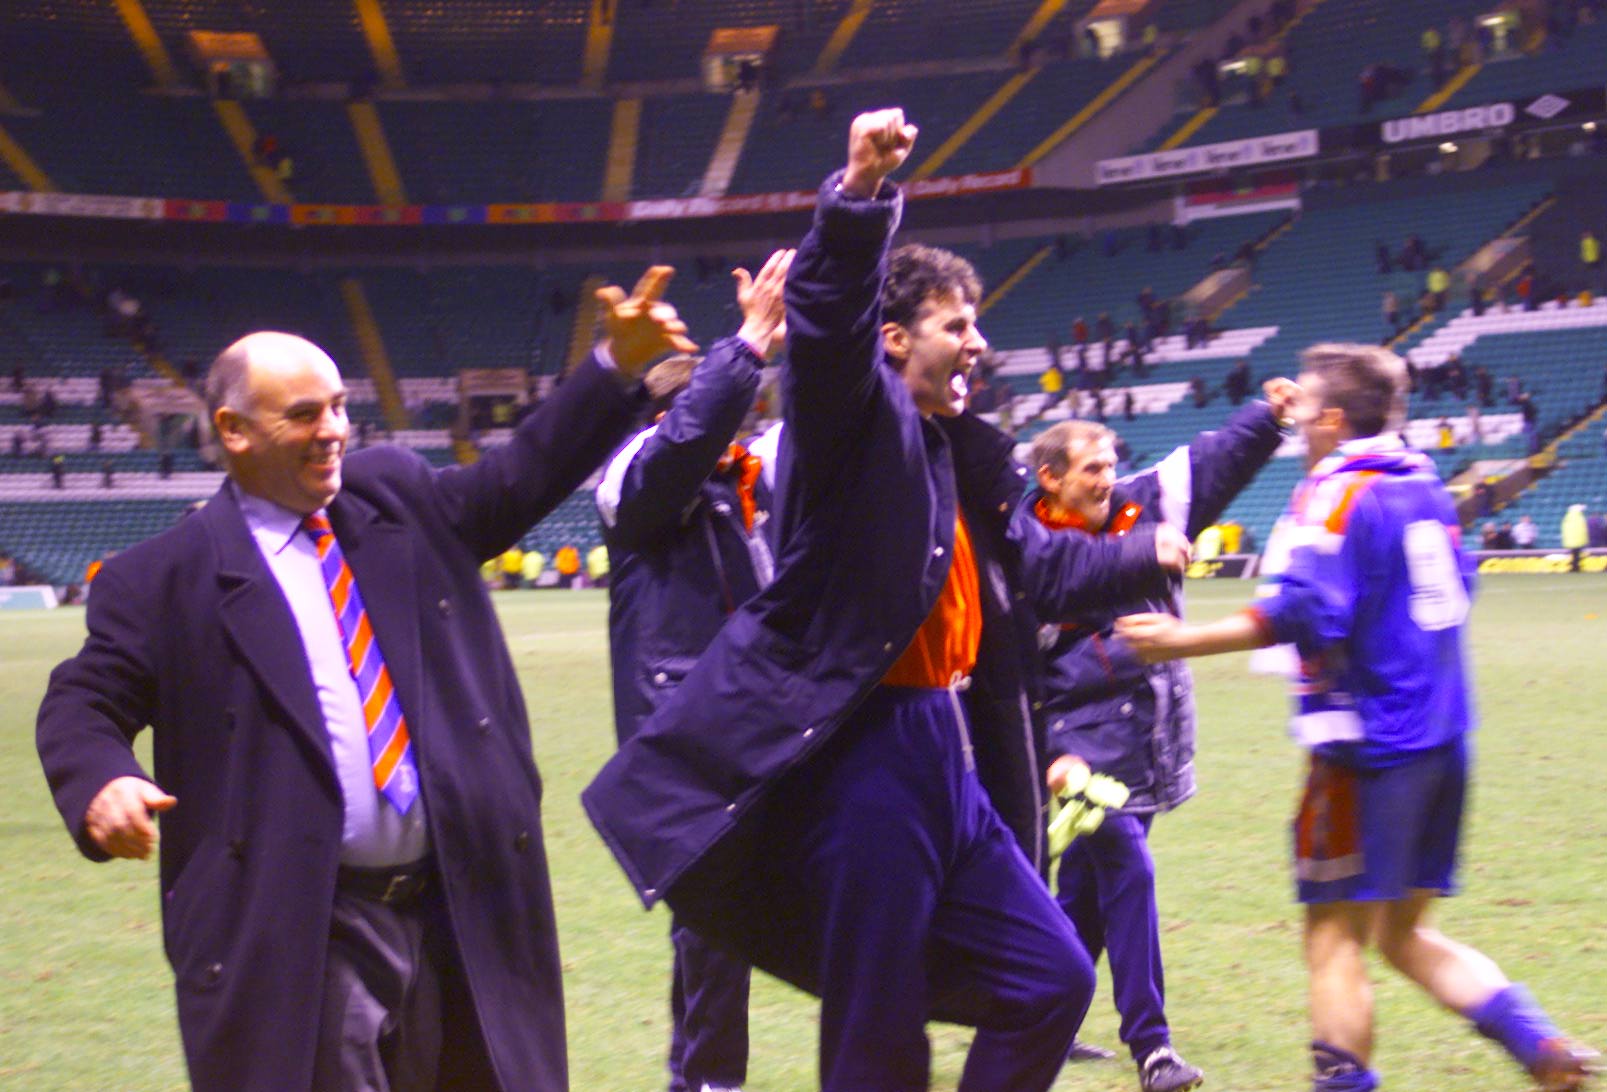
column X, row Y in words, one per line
column 641, row 327
column 1153, row 637
column 119, row 819
column 878, row 144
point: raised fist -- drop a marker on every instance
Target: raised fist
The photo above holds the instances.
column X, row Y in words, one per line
column 878, row 143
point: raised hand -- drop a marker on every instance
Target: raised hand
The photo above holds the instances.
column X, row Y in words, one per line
column 1282, row 395
column 764, row 315
column 641, row 327
column 878, row 143
column 118, row 820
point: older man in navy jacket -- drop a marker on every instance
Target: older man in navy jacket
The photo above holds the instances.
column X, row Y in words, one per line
column 1108, row 709
column 339, row 916
column 683, row 511
column 812, row 795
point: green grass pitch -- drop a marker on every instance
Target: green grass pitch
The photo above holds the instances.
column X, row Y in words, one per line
column 86, row 999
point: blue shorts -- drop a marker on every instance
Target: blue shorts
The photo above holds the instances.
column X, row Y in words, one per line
column 1377, row 835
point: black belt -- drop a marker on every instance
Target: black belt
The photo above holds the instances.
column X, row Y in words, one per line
column 398, row 885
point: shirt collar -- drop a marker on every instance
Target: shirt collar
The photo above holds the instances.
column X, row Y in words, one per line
column 272, row 525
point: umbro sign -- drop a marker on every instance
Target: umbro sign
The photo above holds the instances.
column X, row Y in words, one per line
column 1449, row 122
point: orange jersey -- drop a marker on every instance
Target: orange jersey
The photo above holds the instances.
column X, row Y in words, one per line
column 947, row 642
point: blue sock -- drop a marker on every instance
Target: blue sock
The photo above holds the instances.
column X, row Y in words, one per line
column 1512, row 1018
column 1339, row 1070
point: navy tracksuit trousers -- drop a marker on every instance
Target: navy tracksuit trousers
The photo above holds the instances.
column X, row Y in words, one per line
column 914, row 903
column 1107, row 889
column 708, row 1015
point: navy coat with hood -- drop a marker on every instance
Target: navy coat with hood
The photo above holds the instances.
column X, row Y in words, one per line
column 680, row 556
column 1123, row 718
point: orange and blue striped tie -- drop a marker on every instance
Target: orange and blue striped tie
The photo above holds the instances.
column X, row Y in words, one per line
column 390, row 748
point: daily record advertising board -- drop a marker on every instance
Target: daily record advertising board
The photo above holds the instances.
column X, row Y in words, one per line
column 1516, row 115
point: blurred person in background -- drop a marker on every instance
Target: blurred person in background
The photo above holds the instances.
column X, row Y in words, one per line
column 683, row 509
column 1108, row 710
column 1369, row 583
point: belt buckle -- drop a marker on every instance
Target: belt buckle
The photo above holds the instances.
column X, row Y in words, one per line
column 397, row 888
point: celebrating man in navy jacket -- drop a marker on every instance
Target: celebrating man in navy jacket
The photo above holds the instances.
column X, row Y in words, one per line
column 1134, row 722
column 354, row 890
column 683, row 510
column 845, row 788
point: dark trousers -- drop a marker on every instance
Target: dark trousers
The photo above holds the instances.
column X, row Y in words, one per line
column 1107, row 889
column 396, row 1011
column 893, row 890
column 708, row 1014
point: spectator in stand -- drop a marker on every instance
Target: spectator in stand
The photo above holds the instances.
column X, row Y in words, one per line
column 16, row 443
column 1514, row 389
column 1052, row 382
column 1413, row 253
column 1079, row 338
column 1524, row 532
column 1503, row 536
column 58, row 471
column 164, row 465
column 1483, row 498
column 1199, row 392
column 597, row 566
column 1575, row 533
column 107, row 471
column 1129, row 409
column 1386, row 263
column 535, row 562
column 1590, row 257
column 1434, row 54
column 1484, row 384
column 1596, row 527
column 567, row 563
column 1487, row 535
column 1531, row 420
column 1438, row 283
column 1475, row 424
column 1237, row 383
column 511, row 567
column 1456, row 377
column 1446, row 434
column 1392, row 312
column 1526, row 289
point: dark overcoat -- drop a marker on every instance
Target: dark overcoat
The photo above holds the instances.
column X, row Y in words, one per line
column 190, row 634
column 867, row 493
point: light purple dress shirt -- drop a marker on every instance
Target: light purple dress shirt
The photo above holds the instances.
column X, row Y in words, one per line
column 375, row 834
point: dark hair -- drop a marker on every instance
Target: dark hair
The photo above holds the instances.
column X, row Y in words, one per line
column 917, row 273
column 1052, row 447
column 1365, row 382
column 667, row 379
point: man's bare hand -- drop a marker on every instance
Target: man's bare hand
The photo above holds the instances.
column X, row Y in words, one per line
column 878, row 143
column 1066, row 768
column 641, row 327
column 1172, row 549
column 764, row 314
column 1154, row 637
column 119, row 819
column 1282, row 395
